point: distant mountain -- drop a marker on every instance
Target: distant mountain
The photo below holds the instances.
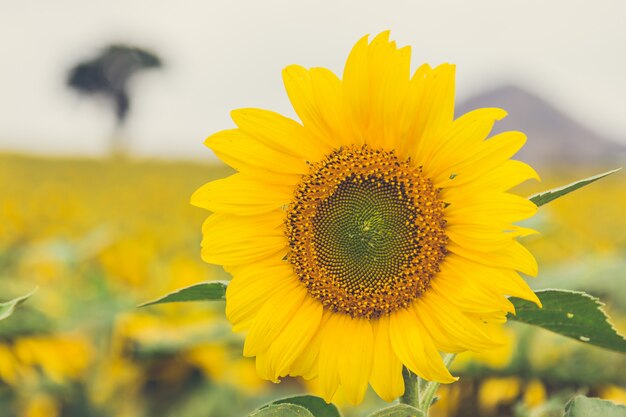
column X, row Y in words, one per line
column 553, row 137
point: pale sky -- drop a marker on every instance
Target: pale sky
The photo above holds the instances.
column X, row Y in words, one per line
column 222, row 55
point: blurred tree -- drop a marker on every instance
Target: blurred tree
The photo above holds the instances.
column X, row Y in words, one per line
column 108, row 75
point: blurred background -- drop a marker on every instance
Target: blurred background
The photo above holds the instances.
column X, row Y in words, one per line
column 105, row 106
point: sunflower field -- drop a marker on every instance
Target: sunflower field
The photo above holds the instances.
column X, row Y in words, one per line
column 97, row 237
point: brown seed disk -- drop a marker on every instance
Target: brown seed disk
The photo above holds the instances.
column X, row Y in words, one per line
column 366, row 231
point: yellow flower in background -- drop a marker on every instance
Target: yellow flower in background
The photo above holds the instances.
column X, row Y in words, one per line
column 614, row 393
column 60, row 357
column 535, row 393
column 41, row 405
column 449, row 401
column 9, row 367
column 496, row 391
column 374, row 234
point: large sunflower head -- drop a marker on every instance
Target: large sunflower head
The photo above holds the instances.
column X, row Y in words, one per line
column 375, row 232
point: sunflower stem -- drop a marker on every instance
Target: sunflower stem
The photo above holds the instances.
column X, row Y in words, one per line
column 411, row 394
column 430, row 388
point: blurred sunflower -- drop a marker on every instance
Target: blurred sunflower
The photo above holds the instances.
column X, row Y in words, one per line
column 374, row 234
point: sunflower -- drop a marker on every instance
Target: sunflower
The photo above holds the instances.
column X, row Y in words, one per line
column 375, row 233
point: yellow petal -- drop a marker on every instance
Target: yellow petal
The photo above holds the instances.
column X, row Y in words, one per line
column 262, row 363
column 514, row 256
column 496, row 209
column 388, row 73
column 356, row 358
column 454, row 285
column 232, row 240
column 246, row 154
column 295, row 337
column 328, row 92
column 455, row 326
column 386, row 378
column 415, row 348
column 432, row 108
column 519, row 231
column 501, row 178
column 488, row 319
column 465, row 133
column 273, row 317
column 409, row 112
column 356, row 88
column 330, row 350
column 241, row 194
column 307, row 364
column 280, row 133
column 252, row 286
column 317, row 115
column 501, row 280
column 484, row 238
column 345, row 356
column 491, row 153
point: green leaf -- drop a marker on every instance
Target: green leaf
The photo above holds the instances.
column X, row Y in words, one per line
column 398, row 410
column 581, row 406
column 282, row 410
column 6, row 309
column 316, row 405
column 573, row 314
column 205, row 291
column 547, row 196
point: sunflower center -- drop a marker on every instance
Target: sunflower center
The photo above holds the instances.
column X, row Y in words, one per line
column 366, row 232
column 361, row 230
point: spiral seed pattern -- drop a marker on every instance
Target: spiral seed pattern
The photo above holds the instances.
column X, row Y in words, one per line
column 366, row 231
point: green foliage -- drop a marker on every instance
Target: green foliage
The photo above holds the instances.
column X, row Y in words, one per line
column 550, row 195
column 298, row 406
column 6, row 309
column 316, row 405
column 205, row 291
column 398, row 410
column 581, row 406
column 282, row 410
column 573, row 314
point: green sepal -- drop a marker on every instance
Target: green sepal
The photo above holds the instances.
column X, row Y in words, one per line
column 8, row 308
column 547, row 196
column 205, row 291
